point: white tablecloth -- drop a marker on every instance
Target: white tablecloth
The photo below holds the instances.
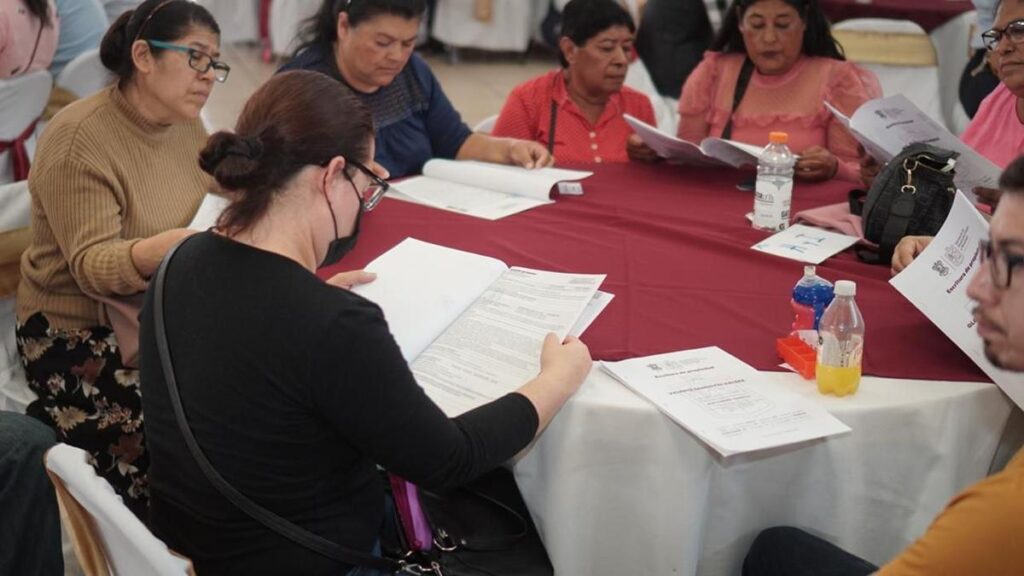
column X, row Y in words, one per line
column 510, row 28
column 616, row 488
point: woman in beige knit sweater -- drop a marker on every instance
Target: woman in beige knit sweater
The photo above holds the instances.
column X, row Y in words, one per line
column 114, row 182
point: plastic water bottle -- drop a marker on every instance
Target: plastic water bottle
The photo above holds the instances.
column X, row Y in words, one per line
column 774, row 191
column 840, row 343
column 811, row 295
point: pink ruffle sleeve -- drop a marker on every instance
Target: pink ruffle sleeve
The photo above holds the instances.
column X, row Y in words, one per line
column 849, row 86
column 697, row 98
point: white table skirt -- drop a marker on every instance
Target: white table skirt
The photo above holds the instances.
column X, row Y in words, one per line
column 616, row 488
column 509, row 29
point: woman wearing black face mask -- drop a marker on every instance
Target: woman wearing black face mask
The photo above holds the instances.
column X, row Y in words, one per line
column 294, row 388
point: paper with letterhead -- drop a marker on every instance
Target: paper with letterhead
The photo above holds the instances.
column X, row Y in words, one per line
column 723, row 401
column 885, row 126
column 484, row 190
column 208, row 213
column 936, row 284
column 806, row 244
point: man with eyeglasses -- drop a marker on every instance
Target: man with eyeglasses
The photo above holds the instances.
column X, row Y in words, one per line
column 980, row 530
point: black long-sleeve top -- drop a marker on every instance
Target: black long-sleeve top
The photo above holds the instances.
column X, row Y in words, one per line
column 295, row 390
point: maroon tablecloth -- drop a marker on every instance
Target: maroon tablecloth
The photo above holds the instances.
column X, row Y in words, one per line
column 929, row 14
column 675, row 245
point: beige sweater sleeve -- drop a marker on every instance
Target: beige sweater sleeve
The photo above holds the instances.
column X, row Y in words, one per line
column 84, row 209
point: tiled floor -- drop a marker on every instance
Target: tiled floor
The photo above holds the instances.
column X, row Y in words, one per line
column 477, row 86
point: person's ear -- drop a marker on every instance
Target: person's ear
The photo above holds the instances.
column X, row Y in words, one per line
column 142, row 57
column 343, row 26
column 569, row 49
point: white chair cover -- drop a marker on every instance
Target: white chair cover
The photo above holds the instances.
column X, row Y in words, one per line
column 486, row 126
column 239, row 20
column 920, row 84
column 508, row 30
column 286, row 16
column 85, row 75
column 952, row 43
column 639, row 79
column 129, row 546
column 15, row 212
column 22, row 100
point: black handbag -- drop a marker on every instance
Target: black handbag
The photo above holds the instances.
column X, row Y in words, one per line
column 911, row 196
column 482, row 529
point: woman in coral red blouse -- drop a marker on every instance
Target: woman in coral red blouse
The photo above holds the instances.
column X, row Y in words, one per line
column 577, row 111
column 795, row 67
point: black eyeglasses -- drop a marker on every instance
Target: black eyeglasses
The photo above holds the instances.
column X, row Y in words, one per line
column 1001, row 264
column 1014, row 31
column 197, row 60
column 375, row 191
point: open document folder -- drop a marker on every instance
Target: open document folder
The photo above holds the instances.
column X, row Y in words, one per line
column 936, row 284
column 723, row 401
column 470, row 327
column 710, row 151
column 885, row 126
column 489, row 191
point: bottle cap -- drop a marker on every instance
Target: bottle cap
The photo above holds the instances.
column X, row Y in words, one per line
column 846, row 288
column 810, row 270
column 778, row 137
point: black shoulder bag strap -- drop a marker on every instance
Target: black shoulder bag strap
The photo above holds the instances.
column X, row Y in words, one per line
column 554, row 118
column 741, row 88
column 291, row 531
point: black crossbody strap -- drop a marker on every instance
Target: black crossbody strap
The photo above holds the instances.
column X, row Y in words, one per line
column 737, row 96
column 291, row 531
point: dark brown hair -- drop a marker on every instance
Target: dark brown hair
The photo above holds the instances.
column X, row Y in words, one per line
column 1012, row 179
column 818, row 39
column 322, row 27
column 297, row 119
column 40, row 9
column 152, row 20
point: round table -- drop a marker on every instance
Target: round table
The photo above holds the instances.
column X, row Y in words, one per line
column 617, row 488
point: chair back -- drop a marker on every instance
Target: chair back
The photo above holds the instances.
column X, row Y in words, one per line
column 486, row 126
column 286, row 17
column 108, row 538
column 15, row 209
column 639, row 78
column 22, row 100
column 85, row 75
column 900, row 54
column 952, row 43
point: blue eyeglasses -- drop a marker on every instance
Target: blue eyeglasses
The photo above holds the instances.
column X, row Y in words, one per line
column 197, row 60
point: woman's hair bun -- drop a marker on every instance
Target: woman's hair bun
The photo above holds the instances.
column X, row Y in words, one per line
column 238, row 162
column 114, row 46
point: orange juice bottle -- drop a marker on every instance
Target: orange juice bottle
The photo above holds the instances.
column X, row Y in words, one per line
column 840, row 343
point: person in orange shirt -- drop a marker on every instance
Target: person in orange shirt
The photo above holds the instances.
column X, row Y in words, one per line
column 577, row 111
column 980, row 530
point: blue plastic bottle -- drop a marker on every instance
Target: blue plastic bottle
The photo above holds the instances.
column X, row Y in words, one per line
column 811, row 295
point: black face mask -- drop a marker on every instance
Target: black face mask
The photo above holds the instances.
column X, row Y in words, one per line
column 339, row 247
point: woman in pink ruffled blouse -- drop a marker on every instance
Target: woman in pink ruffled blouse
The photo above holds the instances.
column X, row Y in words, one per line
column 796, row 66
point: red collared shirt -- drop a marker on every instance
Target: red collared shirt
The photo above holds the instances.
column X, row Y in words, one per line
column 527, row 115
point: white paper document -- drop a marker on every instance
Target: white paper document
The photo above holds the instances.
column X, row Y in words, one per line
column 470, row 327
column 710, row 151
column 489, row 191
column 806, row 244
column 936, row 284
column 723, row 401
column 886, row 126
column 208, row 213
